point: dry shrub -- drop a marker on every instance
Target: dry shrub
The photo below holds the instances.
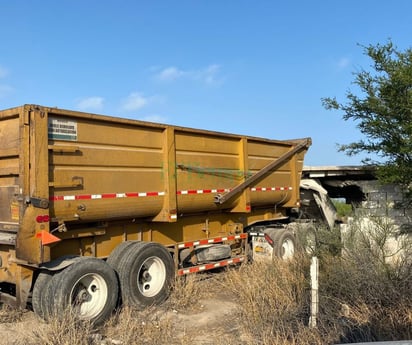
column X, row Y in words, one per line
column 63, row 329
column 131, row 326
column 187, row 292
column 377, row 307
column 365, row 323
column 375, row 291
column 10, row 314
column 148, row 326
column 156, row 325
column 273, row 302
column 362, row 297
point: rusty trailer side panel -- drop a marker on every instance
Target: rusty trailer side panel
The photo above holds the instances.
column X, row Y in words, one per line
column 94, row 181
column 114, row 169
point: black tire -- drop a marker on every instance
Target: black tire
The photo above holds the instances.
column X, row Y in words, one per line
column 47, row 302
column 146, row 273
column 47, row 299
column 285, row 244
column 114, row 259
column 39, row 288
column 117, row 254
column 89, row 286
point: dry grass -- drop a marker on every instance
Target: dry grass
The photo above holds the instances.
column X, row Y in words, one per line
column 377, row 307
column 188, row 292
column 376, row 291
column 273, row 302
column 150, row 326
column 9, row 314
column 64, row 329
column 159, row 325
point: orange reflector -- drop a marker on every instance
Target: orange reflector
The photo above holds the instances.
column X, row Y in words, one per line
column 47, row 237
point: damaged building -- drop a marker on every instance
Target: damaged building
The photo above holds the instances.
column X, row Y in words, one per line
column 358, row 186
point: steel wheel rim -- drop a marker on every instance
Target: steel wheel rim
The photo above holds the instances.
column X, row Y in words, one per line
column 151, row 276
column 288, row 249
column 89, row 295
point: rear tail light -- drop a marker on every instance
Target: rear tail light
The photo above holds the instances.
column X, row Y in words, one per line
column 43, row 218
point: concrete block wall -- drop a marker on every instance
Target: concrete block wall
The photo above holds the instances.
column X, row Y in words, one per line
column 384, row 200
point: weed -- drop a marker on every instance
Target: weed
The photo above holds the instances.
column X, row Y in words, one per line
column 10, row 314
column 188, row 292
column 63, row 329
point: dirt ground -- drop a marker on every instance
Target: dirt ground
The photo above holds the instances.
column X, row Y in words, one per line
column 10, row 331
column 215, row 318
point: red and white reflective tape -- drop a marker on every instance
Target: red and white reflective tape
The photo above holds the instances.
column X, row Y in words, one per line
column 211, row 266
column 225, row 190
column 211, row 240
column 269, row 189
column 146, row 194
column 202, row 191
column 105, row 196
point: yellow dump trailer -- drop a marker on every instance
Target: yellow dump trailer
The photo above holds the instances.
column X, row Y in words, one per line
column 95, row 207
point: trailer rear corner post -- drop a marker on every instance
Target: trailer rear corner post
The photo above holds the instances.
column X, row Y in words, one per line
column 24, row 279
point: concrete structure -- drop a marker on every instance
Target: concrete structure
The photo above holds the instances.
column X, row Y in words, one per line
column 359, row 187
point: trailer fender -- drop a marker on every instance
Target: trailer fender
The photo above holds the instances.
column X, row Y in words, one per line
column 40, row 291
column 60, row 263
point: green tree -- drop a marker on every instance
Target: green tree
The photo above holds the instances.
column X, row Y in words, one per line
column 382, row 111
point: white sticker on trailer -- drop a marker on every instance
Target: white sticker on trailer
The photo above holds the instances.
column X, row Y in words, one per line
column 61, row 129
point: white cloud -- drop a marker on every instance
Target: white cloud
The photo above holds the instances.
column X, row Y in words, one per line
column 90, row 103
column 170, row 74
column 208, row 75
column 134, row 101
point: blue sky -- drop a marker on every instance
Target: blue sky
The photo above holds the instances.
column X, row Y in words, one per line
column 258, row 68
